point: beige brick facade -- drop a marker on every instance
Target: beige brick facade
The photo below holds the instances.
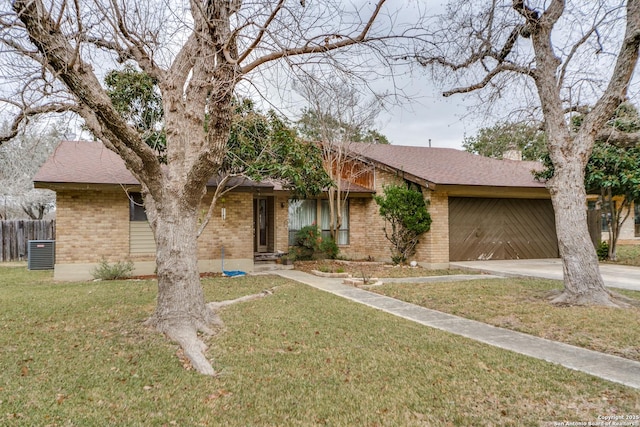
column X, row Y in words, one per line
column 234, row 233
column 93, row 224
column 281, row 222
column 367, row 239
column 433, row 250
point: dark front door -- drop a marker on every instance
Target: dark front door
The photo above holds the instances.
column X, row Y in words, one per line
column 261, row 224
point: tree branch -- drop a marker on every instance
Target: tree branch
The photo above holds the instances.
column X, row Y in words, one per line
column 26, row 113
column 624, row 67
column 327, row 47
column 94, row 104
column 619, row 139
column 221, row 190
column 505, row 67
column 262, row 31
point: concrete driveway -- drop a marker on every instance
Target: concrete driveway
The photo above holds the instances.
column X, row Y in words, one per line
column 615, row 276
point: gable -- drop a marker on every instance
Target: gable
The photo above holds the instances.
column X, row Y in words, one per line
column 446, row 166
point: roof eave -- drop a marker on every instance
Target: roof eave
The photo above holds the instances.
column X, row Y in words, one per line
column 521, row 192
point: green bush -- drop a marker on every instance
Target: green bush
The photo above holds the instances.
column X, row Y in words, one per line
column 329, row 248
column 406, row 218
column 603, row 250
column 106, row 271
column 307, row 242
column 310, row 245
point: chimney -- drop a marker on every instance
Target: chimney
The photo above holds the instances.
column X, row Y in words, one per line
column 512, row 153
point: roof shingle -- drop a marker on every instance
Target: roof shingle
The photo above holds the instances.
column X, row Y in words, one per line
column 448, row 166
column 81, row 162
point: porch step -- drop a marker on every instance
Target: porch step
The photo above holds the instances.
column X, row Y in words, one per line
column 262, row 266
column 267, row 256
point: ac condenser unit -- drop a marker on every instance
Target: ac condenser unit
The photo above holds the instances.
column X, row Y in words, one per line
column 42, row 254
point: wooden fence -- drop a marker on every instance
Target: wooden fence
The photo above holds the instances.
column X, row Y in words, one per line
column 15, row 235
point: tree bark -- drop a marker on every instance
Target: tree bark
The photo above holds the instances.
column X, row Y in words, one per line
column 583, row 284
column 181, row 311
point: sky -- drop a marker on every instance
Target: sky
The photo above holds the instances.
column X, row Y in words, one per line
column 427, row 115
column 428, row 118
column 424, row 116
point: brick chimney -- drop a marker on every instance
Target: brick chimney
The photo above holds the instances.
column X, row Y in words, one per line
column 512, row 153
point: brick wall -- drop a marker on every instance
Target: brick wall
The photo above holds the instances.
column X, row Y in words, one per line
column 281, row 223
column 434, row 245
column 367, row 235
column 92, row 225
column 235, row 232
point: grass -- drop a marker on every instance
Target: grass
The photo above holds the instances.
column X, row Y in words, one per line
column 628, row 255
column 522, row 304
column 78, row 354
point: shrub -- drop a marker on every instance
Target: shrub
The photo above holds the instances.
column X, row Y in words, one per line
column 406, row 219
column 310, row 245
column 106, row 271
column 329, row 248
column 307, row 242
column 603, row 250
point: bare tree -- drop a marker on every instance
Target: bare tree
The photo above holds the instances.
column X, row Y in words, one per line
column 575, row 54
column 198, row 52
column 337, row 116
column 20, row 160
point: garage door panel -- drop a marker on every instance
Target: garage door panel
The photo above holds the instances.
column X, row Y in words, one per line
column 501, row 229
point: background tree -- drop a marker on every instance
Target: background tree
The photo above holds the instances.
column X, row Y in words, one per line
column 337, row 116
column 198, row 52
column 613, row 169
column 264, row 146
column 20, row 160
column 406, row 219
column 495, row 140
column 614, row 173
column 556, row 51
column 136, row 96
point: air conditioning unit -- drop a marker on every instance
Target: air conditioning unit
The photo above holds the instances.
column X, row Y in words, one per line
column 42, row 254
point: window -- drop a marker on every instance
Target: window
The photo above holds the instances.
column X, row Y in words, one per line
column 136, row 208
column 301, row 214
column 343, row 233
column 305, row 212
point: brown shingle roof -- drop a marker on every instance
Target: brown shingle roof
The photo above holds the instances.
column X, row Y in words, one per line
column 448, row 166
column 81, row 162
column 84, row 162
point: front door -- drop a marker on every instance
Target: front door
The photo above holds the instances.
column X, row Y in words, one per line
column 261, row 225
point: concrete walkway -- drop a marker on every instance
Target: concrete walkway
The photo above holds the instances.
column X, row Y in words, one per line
column 614, row 276
column 612, row 368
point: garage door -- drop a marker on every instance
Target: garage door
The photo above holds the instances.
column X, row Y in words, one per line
column 501, row 229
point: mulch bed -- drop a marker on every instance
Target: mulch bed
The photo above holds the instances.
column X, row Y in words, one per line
column 357, row 268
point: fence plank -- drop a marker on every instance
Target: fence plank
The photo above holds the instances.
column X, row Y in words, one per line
column 15, row 235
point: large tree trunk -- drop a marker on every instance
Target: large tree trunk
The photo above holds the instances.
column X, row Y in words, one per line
column 181, row 311
column 583, row 284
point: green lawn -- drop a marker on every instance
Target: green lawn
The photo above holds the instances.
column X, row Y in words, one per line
column 628, row 254
column 77, row 354
column 523, row 305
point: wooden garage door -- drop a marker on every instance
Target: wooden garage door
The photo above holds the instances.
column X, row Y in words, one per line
column 501, row 229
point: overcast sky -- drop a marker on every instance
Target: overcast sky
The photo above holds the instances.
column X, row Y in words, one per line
column 429, row 116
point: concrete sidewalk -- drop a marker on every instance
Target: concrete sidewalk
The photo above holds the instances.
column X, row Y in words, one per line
column 612, row 368
column 614, row 276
